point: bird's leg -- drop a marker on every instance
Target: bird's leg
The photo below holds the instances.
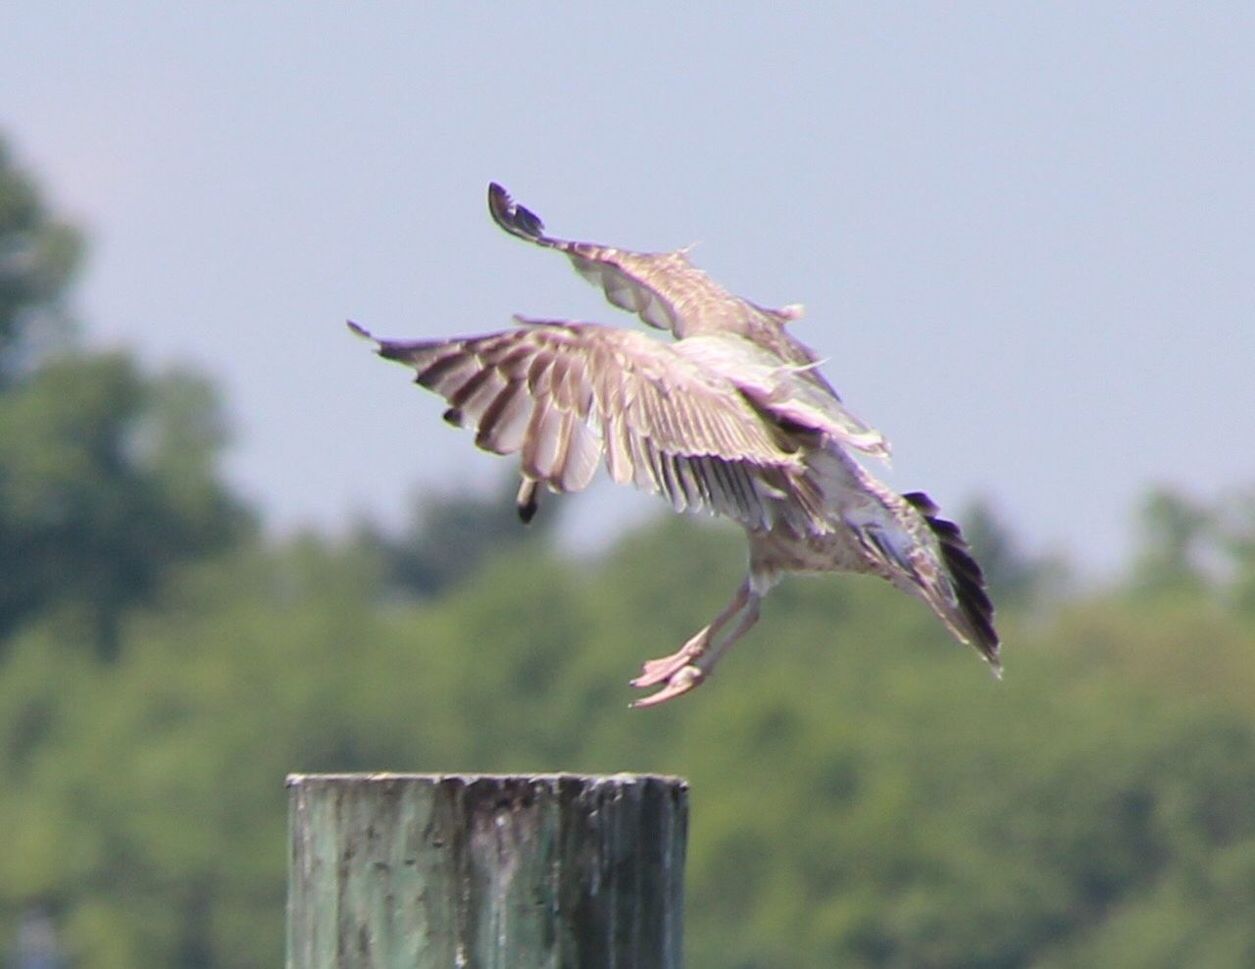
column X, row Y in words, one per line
column 686, row 670
column 706, row 662
column 656, row 671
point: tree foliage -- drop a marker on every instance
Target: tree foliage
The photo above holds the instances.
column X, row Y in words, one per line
column 106, row 482
column 1174, row 529
column 38, row 256
column 863, row 793
column 107, row 474
column 449, row 535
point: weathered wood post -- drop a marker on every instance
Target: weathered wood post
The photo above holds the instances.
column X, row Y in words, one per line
column 414, row 871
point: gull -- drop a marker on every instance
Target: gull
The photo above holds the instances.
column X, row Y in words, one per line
column 732, row 417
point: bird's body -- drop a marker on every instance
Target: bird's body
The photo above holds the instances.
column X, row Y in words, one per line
column 733, row 418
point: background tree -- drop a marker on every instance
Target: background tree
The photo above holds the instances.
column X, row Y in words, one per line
column 864, row 793
column 1013, row 575
column 1235, row 525
column 1175, row 531
column 108, row 475
column 450, row 535
column 38, row 256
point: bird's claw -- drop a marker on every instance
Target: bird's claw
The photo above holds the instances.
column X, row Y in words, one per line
column 678, row 683
column 657, row 671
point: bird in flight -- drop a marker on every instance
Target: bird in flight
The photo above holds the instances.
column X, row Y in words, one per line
column 733, row 417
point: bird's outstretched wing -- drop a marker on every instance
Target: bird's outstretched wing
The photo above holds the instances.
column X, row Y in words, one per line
column 567, row 396
column 906, row 541
column 664, row 289
column 968, row 610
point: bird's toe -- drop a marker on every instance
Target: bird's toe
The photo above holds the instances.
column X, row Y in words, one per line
column 680, row 682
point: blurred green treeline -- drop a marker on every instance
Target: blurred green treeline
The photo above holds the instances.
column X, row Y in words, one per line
column 864, row 794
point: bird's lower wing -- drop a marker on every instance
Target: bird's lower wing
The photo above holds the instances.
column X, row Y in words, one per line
column 568, row 396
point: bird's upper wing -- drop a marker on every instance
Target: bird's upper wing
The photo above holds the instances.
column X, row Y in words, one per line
column 568, row 395
column 664, row 289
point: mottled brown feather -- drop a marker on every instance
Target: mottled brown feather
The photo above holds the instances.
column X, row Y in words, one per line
column 568, row 396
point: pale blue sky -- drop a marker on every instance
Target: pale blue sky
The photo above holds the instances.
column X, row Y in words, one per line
column 1025, row 235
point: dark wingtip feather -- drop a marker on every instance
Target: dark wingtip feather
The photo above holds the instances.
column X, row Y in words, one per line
column 969, row 580
column 528, row 500
column 923, row 504
column 514, row 218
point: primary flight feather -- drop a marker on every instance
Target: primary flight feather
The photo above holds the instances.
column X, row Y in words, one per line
column 732, row 417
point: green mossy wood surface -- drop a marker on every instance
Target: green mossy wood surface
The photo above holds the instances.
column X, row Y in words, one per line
column 484, row 871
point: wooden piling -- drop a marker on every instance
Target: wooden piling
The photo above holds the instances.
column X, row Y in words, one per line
column 559, row 871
